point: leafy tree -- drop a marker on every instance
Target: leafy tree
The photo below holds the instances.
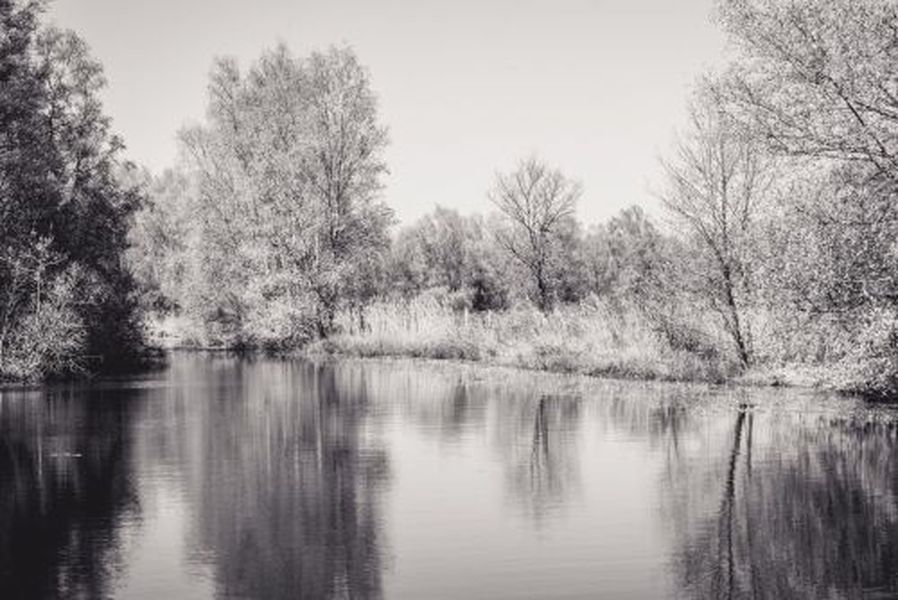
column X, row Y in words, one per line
column 816, row 83
column 817, row 78
column 64, row 209
column 440, row 247
column 288, row 169
column 621, row 258
column 161, row 238
column 447, row 250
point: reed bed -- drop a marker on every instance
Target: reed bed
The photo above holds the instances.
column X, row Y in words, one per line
column 591, row 339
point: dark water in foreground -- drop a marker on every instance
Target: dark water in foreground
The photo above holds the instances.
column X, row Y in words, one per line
column 233, row 478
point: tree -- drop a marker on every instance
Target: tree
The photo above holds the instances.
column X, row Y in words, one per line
column 160, row 241
column 716, row 185
column 457, row 253
column 438, row 249
column 817, row 78
column 622, row 258
column 816, row 83
column 535, row 201
column 288, row 169
column 64, row 207
column 344, row 166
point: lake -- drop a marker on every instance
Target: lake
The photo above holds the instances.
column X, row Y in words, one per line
column 228, row 477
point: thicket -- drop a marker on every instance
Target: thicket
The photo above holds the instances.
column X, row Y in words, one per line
column 67, row 305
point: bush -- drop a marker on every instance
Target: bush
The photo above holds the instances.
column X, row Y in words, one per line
column 870, row 366
column 280, row 325
column 50, row 341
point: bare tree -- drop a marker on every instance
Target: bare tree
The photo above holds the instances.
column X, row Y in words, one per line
column 535, row 200
column 716, row 183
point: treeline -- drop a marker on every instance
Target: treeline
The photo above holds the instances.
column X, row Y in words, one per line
column 67, row 304
column 270, row 232
column 776, row 259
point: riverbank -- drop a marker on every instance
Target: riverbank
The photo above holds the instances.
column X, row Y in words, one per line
column 590, row 340
column 593, row 341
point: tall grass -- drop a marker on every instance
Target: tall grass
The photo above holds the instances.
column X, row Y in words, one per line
column 592, row 338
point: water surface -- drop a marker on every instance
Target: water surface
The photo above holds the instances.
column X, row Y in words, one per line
column 223, row 477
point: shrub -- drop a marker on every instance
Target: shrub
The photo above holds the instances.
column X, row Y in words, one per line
column 870, row 366
column 51, row 340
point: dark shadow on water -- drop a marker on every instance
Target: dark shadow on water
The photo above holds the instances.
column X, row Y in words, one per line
column 65, row 489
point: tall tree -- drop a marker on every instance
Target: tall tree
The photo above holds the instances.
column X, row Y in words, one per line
column 816, row 82
column 344, row 165
column 64, row 209
column 288, row 169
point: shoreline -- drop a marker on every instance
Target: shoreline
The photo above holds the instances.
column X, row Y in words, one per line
column 803, row 379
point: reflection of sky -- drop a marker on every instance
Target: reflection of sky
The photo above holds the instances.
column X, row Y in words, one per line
column 159, row 564
column 454, row 533
column 465, row 87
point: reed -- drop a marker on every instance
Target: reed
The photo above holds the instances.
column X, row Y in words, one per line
column 591, row 338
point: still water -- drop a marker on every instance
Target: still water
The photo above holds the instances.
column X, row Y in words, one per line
column 223, row 477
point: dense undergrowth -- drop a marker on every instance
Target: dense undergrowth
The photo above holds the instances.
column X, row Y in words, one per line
column 598, row 339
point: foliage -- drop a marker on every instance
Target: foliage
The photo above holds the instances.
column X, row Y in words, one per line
column 816, row 78
column 272, row 222
column 623, row 258
column 64, row 208
column 814, row 85
column 447, row 250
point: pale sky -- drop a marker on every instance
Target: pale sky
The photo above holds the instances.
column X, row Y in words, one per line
column 466, row 88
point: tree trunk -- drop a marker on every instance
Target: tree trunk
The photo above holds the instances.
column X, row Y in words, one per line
column 736, row 327
column 542, row 287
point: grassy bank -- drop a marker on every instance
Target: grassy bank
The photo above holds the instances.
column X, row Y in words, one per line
column 595, row 340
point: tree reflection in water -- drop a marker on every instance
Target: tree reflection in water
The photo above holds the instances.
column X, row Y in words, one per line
column 533, row 431
column 535, row 435
column 65, row 488
column 287, row 487
column 807, row 509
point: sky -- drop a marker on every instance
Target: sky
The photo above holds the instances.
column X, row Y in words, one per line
column 467, row 88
